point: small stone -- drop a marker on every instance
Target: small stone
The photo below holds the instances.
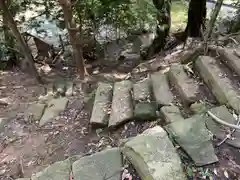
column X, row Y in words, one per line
column 171, row 114
column 145, row 111
column 3, row 122
column 199, row 107
column 69, row 88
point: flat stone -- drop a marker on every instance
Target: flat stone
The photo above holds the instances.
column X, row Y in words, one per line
column 187, row 87
column 58, row 171
column 221, row 131
column 171, row 113
column 102, row 104
column 153, row 155
column 54, row 107
column 230, row 59
column 220, row 86
column 145, row 111
column 122, row 107
column 192, row 135
column 35, row 111
column 102, row 165
column 161, row 90
column 69, row 88
column 142, row 91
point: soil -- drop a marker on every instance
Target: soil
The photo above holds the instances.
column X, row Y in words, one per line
column 25, row 148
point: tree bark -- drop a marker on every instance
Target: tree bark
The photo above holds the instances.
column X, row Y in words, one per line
column 196, row 18
column 24, row 47
column 163, row 27
column 74, row 40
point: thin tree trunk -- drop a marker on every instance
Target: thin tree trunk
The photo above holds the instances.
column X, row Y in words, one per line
column 214, row 17
column 24, row 47
column 72, row 30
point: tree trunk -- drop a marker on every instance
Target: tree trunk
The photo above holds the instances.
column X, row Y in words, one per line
column 75, row 42
column 214, row 17
column 196, row 18
column 24, row 47
column 163, row 27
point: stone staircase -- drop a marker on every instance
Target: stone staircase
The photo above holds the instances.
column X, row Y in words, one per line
column 152, row 153
column 123, row 101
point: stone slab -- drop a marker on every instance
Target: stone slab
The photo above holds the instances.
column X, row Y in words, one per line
column 145, row 111
column 35, row 112
column 142, row 91
column 102, row 104
column 171, row 113
column 220, row 86
column 186, row 87
column 122, row 106
column 161, row 89
column 153, row 156
column 54, row 107
column 221, row 131
column 230, row 59
column 192, row 135
column 58, row 171
column 102, row 165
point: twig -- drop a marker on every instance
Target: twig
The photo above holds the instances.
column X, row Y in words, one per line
column 229, row 135
column 220, row 121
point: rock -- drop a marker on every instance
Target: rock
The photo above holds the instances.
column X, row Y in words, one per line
column 230, row 59
column 54, row 107
column 161, row 90
column 221, row 131
column 153, row 155
column 58, row 171
column 4, row 102
column 199, row 107
column 60, row 87
column 69, row 88
column 145, row 111
column 192, row 135
column 122, row 107
column 171, row 113
column 35, row 112
column 3, row 122
column 187, row 88
column 102, row 165
column 220, row 86
column 142, row 91
column 102, row 104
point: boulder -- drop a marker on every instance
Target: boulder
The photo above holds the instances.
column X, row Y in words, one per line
column 102, row 165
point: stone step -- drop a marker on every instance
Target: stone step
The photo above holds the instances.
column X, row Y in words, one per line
column 220, row 86
column 153, row 155
column 230, row 59
column 186, row 87
column 161, row 89
column 192, row 135
column 122, row 105
column 102, row 104
column 144, row 108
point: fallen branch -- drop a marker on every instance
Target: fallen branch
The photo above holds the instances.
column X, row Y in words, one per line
column 222, row 122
